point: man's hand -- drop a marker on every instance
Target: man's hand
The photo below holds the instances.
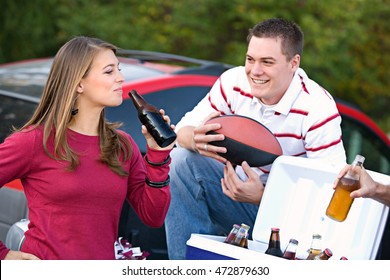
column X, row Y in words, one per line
column 250, row 191
column 368, row 187
column 200, row 140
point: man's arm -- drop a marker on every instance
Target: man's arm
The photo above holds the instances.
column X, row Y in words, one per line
column 197, row 139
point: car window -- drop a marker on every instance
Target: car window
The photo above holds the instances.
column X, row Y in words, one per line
column 27, row 78
column 13, row 112
column 175, row 101
column 137, row 72
column 358, row 139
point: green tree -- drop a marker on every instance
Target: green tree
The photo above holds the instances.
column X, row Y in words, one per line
column 28, row 29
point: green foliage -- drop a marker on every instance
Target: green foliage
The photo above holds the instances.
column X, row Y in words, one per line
column 347, row 43
column 28, row 29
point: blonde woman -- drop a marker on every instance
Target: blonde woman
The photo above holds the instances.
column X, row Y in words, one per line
column 76, row 168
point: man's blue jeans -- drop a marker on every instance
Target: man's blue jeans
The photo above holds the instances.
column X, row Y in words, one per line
column 198, row 204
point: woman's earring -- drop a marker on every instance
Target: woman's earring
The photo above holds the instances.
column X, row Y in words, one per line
column 74, row 112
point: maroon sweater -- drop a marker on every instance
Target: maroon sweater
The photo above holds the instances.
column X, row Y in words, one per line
column 75, row 215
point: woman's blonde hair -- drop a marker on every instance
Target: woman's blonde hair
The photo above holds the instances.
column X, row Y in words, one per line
column 72, row 63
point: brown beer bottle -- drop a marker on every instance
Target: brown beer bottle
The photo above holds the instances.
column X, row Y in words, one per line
column 232, row 235
column 241, row 238
column 274, row 243
column 324, row 255
column 291, row 249
column 150, row 117
column 315, row 247
column 341, row 201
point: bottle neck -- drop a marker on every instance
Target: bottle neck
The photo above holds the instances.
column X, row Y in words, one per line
column 315, row 245
column 357, row 163
column 353, row 172
column 292, row 247
column 140, row 103
column 275, row 236
column 137, row 99
column 274, row 242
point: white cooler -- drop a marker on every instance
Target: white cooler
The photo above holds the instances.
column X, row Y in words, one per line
column 295, row 199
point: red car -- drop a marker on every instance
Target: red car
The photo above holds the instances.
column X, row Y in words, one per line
column 176, row 84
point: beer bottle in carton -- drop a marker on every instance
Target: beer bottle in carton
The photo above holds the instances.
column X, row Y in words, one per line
column 324, row 255
column 232, row 234
column 315, row 247
column 291, row 249
column 274, row 243
column 241, row 238
column 341, row 201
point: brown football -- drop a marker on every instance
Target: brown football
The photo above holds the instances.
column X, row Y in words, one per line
column 246, row 139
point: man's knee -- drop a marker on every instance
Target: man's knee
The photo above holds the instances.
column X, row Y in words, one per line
column 181, row 158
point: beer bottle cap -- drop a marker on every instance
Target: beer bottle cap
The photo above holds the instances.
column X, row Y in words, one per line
column 275, row 229
column 328, row 252
column 294, row 241
column 245, row 226
column 360, row 158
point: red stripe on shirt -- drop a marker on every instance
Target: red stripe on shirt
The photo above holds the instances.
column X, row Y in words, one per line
column 215, row 107
column 222, row 92
column 265, row 171
column 305, row 89
column 326, row 93
column 298, row 111
column 324, row 146
column 224, row 98
column 243, row 93
column 211, row 103
column 303, row 85
column 300, row 154
column 324, row 122
column 280, row 135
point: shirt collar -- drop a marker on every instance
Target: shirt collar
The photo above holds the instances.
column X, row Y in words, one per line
column 285, row 104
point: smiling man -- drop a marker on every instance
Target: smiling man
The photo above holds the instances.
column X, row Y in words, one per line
column 209, row 195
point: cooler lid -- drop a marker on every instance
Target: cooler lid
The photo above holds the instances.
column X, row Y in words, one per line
column 295, row 200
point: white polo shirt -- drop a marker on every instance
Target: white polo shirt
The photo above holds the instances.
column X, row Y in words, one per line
column 305, row 121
